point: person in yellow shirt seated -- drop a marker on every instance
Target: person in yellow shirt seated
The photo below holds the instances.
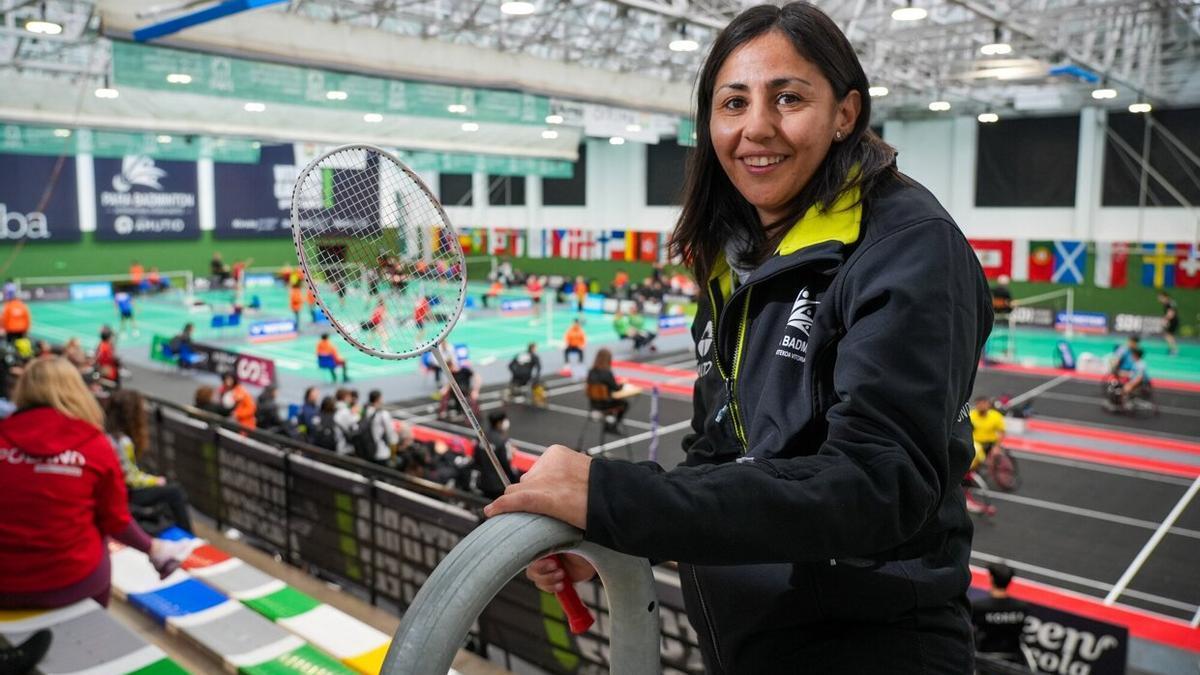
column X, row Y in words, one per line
column 987, row 428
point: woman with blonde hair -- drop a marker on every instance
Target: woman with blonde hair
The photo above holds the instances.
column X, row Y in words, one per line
column 63, row 491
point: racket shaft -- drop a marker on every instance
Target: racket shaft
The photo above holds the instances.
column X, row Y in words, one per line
column 470, row 413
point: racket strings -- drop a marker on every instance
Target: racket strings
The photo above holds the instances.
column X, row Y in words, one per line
column 380, row 254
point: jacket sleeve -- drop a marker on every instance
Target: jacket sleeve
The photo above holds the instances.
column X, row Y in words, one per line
column 134, row 476
column 913, row 315
column 112, row 502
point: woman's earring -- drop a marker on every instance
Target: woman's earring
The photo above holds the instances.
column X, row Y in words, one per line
column 837, row 136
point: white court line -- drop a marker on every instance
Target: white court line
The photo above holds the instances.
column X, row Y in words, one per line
column 1045, row 386
column 1089, row 513
column 1101, row 468
column 1076, row 398
column 1158, row 535
column 1086, row 582
column 638, row 437
column 636, row 424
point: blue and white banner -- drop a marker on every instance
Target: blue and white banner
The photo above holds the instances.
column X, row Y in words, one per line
column 91, row 291
column 1084, row 322
column 1070, row 260
column 275, row 328
column 27, row 180
column 139, row 197
column 255, row 200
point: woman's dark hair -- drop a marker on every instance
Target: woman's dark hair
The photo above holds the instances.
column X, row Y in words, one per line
column 204, row 396
column 328, row 406
column 603, row 360
column 125, row 413
column 712, row 207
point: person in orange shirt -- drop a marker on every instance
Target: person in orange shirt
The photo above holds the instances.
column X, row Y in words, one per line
column 296, row 301
column 235, row 397
column 15, row 318
column 325, row 347
column 154, row 279
column 581, row 292
column 493, row 293
column 576, row 339
column 620, row 280
column 136, row 274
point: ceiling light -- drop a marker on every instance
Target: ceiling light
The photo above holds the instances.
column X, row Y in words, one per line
column 470, row 126
column 179, row 78
column 62, row 133
column 1104, row 93
column 254, row 107
column 939, row 106
column 372, row 118
column 909, row 13
column 42, row 27
column 335, row 95
column 456, row 108
column 549, row 134
column 554, row 119
column 683, row 45
column 1140, row 108
column 107, row 92
column 878, row 91
column 633, row 128
column 988, row 118
column 518, row 8
column 163, row 138
column 616, row 140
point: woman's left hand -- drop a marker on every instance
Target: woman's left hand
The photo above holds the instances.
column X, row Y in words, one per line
column 556, row 486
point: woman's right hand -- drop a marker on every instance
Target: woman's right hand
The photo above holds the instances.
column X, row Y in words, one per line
column 550, row 577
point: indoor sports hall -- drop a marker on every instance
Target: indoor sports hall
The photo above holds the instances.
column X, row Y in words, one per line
column 600, row 336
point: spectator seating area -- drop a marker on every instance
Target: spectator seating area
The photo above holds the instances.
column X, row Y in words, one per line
column 87, row 639
column 250, row 621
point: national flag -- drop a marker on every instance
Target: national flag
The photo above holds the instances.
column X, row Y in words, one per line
column 1070, row 259
column 558, row 243
column 601, row 250
column 1158, row 268
column 1041, row 260
column 648, row 246
column 616, row 245
column 995, row 256
column 631, row 245
column 1112, row 264
column 1020, row 260
column 1187, row 269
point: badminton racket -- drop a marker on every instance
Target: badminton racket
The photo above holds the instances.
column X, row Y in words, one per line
column 386, row 267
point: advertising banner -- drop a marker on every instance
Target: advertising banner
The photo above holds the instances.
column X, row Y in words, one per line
column 1083, row 322
column 140, row 198
column 25, row 180
column 255, row 200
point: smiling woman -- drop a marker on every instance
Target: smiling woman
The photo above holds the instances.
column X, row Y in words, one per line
column 817, row 519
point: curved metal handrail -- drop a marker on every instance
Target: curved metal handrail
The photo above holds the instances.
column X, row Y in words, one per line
column 436, row 624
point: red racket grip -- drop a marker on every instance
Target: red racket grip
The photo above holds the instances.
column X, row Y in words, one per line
column 578, row 616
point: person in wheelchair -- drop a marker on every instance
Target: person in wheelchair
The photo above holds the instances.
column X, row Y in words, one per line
column 601, row 384
column 1138, row 384
column 1122, row 357
column 468, row 382
column 526, row 369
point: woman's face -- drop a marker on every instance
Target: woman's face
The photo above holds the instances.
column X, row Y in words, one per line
column 774, row 117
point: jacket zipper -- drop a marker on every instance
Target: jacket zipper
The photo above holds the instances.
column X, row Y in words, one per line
column 712, row 632
column 730, row 379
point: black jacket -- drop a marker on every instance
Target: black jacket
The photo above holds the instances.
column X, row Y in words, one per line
column 818, row 517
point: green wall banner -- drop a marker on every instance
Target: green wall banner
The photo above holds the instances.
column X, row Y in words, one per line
column 147, row 67
column 496, row 165
column 34, row 140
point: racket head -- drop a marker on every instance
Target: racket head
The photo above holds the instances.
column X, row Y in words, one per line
column 375, row 245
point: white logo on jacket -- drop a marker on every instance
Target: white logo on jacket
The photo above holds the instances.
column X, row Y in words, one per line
column 703, row 346
column 800, row 320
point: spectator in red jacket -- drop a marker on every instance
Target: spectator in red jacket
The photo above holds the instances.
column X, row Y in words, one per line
column 63, row 492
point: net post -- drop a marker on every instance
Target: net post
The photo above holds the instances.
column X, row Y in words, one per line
column 1070, row 313
column 189, row 287
column 1011, row 339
